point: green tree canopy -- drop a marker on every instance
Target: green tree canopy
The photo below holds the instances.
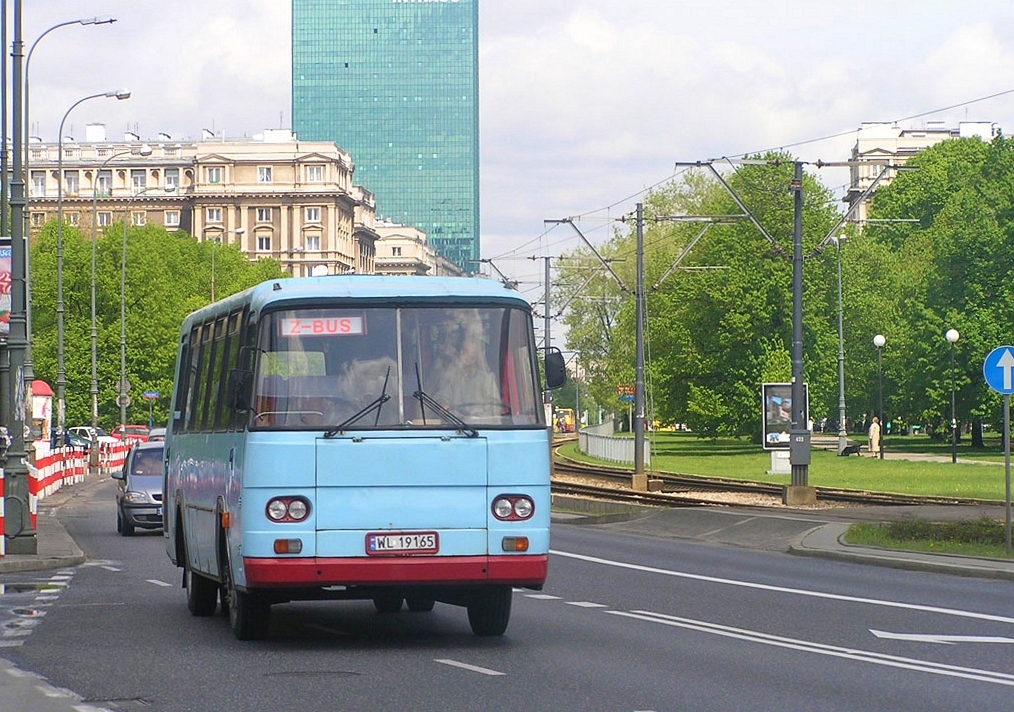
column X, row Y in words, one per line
column 168, row 275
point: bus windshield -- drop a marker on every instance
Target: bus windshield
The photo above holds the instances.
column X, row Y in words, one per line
column 342, row 369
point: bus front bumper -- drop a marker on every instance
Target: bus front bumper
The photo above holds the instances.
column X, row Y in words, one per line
column 409, row 570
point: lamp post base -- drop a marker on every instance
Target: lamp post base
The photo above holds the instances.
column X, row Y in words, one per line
column 799, row 496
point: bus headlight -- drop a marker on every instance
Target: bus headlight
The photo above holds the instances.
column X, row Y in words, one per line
column 287, row 509
column 513, row 507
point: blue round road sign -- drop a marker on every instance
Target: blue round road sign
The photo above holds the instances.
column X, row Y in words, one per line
column 998, row 369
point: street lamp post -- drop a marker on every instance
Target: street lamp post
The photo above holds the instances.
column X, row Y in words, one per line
column 143, row 151
column 842, row 430
column 122, row 389
column 214, row 243
column 879, row 342
column 952, row 337
column 61, row 375
column 29, row 370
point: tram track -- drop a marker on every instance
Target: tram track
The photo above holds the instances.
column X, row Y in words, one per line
column 680, row 490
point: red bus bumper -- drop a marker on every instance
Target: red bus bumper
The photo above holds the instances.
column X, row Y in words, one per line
column 421, row 570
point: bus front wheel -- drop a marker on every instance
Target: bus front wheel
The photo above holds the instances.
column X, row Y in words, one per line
column 249, row 613
column 489, row 610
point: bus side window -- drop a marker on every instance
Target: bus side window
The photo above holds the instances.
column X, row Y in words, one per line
column 179, row 407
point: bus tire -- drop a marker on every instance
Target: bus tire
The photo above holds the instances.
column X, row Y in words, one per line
column 388, row 603
column 202, row 593
column 249, row 613
column 489, row 610
column 420, row 605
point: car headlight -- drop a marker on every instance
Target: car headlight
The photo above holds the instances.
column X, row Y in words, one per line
column 135, row 497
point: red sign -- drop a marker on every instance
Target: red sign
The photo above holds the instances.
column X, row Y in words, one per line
column 624, row 390
column 324, row 326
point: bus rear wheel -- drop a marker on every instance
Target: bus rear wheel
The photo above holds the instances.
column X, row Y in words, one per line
column 489, row 610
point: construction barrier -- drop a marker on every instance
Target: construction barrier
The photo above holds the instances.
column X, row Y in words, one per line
column 55, row 468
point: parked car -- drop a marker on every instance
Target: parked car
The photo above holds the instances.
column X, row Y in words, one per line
column 139, row 490
column 156, row 435
column 90, row 435
column 131, row 432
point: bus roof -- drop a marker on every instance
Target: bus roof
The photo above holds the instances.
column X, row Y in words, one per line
column 377, row 287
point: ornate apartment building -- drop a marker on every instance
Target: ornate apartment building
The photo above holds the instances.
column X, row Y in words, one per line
column 403, row 249
column 273, row 195
column 880, row 146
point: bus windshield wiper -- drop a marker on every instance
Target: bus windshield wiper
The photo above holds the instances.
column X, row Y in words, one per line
column 376, row 404
column 426, row 399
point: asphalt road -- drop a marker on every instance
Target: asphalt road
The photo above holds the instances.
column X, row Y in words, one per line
column 632, row 619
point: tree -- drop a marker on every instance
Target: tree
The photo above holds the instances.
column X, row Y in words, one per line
column 168, row 275
column 721, row 325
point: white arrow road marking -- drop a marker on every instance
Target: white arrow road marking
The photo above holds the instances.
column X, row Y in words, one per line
column 805, row 646
column 942, row 639
column 466, row 666
column 1006, row 363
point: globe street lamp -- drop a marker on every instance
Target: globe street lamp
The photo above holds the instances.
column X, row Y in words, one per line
column 843, row 440
column 142, row 151
column 123, row 386
column 879, row 342
column 952, row 337
column 61, row 375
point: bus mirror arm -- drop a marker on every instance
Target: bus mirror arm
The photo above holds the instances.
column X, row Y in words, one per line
column 240, row 380
column 556, row 369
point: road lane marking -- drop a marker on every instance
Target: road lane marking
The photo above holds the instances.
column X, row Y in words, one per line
column 542, row 597
column 997, row 678
column 941, row 639
column 586, row 604
column 111, row 568
column 471, row 668
column 784, row 589
column 159, row 583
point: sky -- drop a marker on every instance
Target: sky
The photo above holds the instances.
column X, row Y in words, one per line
column 584, row 104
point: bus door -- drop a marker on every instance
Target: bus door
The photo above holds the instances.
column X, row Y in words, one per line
column 390, row 495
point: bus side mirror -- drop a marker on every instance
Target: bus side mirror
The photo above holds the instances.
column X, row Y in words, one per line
column 240, row 381
column 556, row 369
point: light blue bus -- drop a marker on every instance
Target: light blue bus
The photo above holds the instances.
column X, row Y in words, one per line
column 360, row 437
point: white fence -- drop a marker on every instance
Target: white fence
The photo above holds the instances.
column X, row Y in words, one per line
column 598, row 441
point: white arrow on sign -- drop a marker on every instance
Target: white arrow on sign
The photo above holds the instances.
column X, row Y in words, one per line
column 941, row 639
column 1006, row 362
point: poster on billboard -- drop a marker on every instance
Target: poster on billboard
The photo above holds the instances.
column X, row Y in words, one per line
column 777, row 401
column 5, row 288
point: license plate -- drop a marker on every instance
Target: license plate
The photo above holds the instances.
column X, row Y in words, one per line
column 158, row 511
column 397, row 543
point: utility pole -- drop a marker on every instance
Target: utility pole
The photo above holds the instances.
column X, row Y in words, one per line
column 799, row 435
column 640, row 479
column 18, row 522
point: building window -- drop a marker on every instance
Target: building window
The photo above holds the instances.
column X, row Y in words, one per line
column 264, row 243
column 396, row 251
column 313, row 243
column 315, row 174
column 38, row 219
column 214, row 215
column 172, row 218
column 104, row 184
column 38, row 184
column 172, row 179
column 71, row 182
column 138, row 218
column 313, row 215
column 138, row 179
column 264, row 174
column 263, row 214
column 105, row 219
column 213, row 174
column 72, row 219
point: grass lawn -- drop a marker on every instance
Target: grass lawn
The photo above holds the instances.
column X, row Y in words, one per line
column 741, row 459
column 978, row 537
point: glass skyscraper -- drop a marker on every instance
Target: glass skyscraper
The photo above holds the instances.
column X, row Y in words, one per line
column 396, row 84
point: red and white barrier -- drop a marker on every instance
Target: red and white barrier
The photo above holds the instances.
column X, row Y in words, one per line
column 3, row 538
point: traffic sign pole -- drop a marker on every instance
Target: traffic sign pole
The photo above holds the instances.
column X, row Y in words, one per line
column 998, row 370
